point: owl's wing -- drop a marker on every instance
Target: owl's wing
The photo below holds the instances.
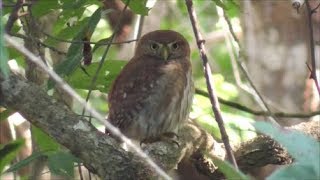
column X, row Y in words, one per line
column 130, row 90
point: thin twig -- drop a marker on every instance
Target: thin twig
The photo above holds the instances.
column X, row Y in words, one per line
column 13, row 5
column 244, row 71
column 311, row 39
column 315, row 9
column 94, row 79
column 80, row 171
column 89, row 42
column 259, row 113
column 68, row 90
column 14, row 15
column 24, row 37
column 208, row 75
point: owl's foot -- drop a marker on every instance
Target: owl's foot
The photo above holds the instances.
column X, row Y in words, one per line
column 168, row 137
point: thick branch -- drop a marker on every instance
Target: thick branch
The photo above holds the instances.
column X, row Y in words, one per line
column 259, row 113
column 68, row 129
column 102, row 155
column 99, row 153
column 263, row 150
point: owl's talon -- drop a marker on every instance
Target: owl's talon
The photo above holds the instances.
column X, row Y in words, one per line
column 168, row 137
column 150, row 140
column 175, row 142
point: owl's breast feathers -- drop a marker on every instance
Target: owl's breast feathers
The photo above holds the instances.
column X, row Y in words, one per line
column 146, row 90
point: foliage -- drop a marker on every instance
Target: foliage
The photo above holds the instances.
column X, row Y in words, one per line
column 74, row 54
column 78, row 20
column 230, row 6
column 59, row 162
column 138, row 6
column 62, row 163
column 44, row 142
column 5, row 114
column 110, row 69
column 304, row 149
column 25, row 162
column 83, row 20
column 9, row 151
column 228, row 170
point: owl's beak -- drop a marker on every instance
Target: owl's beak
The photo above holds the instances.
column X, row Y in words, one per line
column 165, row 52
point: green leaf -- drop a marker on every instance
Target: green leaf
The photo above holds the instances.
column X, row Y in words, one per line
column 74, row 54
column 26, row 161
column 303, row 148
column 228, row 170
column 9, row 151
column 295, row 171
column 5, row 114
column 72, row 60
column 4, row 67
column 138, row 6
column 93, row 21
column 45, row 142
column 6, row 10
column 72, row 4
column 43, row 7
column 96, row 46
column 220, row 3
column 230, row 7
column 109, row 71
column 62, row 163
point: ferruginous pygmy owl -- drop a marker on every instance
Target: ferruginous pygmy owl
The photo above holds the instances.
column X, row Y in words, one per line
column 153, row 94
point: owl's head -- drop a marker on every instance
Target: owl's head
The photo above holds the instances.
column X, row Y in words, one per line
column 163, row 45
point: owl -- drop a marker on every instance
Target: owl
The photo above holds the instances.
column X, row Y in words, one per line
column 152, row 95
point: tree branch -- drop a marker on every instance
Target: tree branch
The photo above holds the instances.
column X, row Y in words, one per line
column 310, row 12
column 14, row 15
column 208, row 76
column 100, row 153
column 259, row 113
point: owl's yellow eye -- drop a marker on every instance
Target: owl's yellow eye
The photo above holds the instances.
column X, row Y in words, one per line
column 175, row 46
column 154, row 46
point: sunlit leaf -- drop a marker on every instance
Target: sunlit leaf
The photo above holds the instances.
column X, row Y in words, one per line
column 108, row 73
column 9, row 151
column 45, row 142
column 40, row 8
column 5, row 114
column 62, row 163
column 228, row 170
column 72, row 4
column 138, row 6
column 25, row 162
column 96, row 46
column 74, row 54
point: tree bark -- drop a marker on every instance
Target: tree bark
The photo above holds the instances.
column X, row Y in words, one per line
column 276, row 40
column 102, row 155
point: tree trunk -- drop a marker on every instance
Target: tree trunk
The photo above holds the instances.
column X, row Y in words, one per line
column 276, row 41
